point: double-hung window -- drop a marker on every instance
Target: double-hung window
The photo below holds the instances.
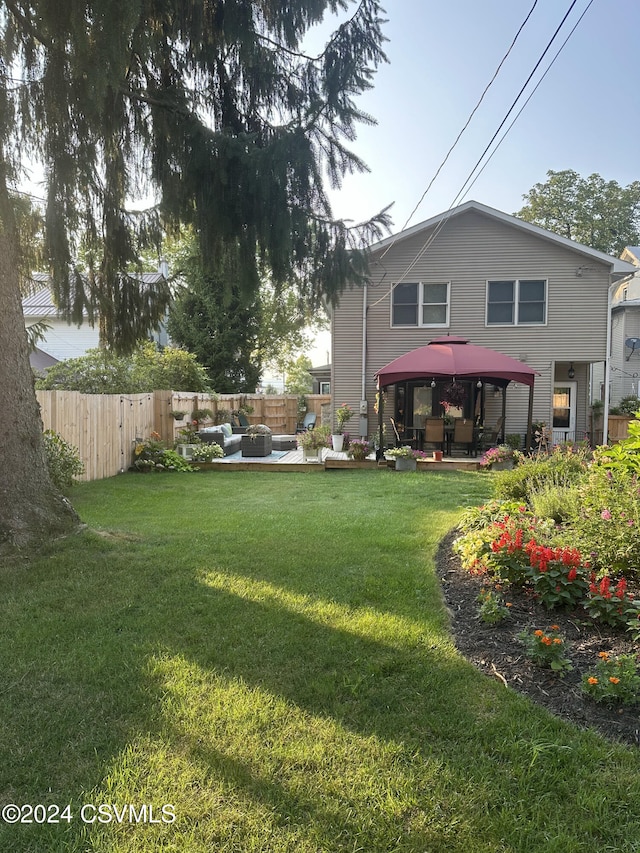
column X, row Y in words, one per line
column 420, row 303
column 517, row 302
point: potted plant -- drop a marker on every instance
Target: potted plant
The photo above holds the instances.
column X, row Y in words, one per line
column 198, row 415
column 312, row 442
column 344, row 413
column 257, row 441
column 498, row 458
column 206, row 452
column 177, row 415
column 359, row 449
column 454, row 394
column 405, row 457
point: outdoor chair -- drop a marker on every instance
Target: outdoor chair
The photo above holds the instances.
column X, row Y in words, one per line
column 242, row 420
column 434, row 432
column 308, row 422
column 493, row 435
column 463, row 434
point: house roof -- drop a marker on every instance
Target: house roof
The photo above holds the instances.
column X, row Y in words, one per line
column 618, row 266
column 40, row 302
column 453, row 357
column 41, row 360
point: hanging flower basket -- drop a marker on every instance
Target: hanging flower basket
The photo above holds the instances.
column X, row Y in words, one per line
column 454, row 395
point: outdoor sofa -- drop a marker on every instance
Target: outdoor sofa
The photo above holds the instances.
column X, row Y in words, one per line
column 229, row 438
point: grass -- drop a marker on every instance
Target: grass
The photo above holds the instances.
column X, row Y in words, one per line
column 269, row 654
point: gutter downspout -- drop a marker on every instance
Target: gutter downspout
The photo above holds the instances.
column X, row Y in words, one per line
column 607, row 362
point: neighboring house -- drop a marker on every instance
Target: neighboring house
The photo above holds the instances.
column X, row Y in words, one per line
column 625, row 333
column 321, row 379
column 63, row 340
column 66, row 340
column 496, row 280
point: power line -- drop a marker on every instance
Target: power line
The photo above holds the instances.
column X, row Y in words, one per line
column 519, row 113
column 444, row 221
column 471, row 115
column 465, row 126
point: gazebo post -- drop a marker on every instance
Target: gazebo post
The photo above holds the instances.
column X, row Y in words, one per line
column 529, row 420
column 380, row 413
column 504, row 412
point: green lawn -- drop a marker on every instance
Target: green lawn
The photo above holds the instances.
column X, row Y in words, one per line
column 269, row 654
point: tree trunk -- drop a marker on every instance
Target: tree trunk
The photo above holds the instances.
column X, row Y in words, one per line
column 31, row 509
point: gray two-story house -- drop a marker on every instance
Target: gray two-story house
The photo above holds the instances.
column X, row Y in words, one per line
column 499, row 282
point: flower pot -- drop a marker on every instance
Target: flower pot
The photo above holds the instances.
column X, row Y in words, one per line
column 337, row 441
column 406, row 464
column 312, row 454
column 505, row 465
column 437, row 455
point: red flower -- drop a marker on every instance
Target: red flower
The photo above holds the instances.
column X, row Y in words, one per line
column 573, row 574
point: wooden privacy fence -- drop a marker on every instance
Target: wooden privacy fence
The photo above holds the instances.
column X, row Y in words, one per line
column 105, row 427
column 102, row 426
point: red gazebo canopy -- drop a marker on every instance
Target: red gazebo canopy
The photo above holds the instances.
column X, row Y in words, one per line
column 454, row 357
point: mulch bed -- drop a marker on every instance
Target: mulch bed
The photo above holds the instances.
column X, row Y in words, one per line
column 496, row 650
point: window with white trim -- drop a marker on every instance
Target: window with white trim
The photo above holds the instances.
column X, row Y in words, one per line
column 517, row 302
column 421, row 303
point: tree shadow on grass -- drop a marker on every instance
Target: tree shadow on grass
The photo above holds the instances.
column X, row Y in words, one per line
column 169, row 644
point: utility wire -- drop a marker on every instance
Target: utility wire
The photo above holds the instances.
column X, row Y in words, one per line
column 444, row 221
column 465, row 126
column 459, row 197
column 473, row 112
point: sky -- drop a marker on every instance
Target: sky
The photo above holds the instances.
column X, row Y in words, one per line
column 441, row 56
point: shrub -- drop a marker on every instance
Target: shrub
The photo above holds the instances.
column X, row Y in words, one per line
column 206, row 452
column 615, row 679
column 627, row 406
column 557, row 502
column 492, row 608
column 63, row 460
column 152, row 455
column 606, row 524
column 565, row 466
column 101, row 371
column 546, row 648
column 513, row 440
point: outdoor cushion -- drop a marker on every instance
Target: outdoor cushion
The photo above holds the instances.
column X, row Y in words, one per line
column 226, row 430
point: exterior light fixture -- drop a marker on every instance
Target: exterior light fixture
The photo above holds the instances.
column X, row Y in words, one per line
column 571, row 372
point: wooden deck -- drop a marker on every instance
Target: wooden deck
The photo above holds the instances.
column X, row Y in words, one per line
column 332, row 460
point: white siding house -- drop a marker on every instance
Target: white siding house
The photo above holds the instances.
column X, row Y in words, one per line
column 66, row 340
column 497, row 281
column 625, row 333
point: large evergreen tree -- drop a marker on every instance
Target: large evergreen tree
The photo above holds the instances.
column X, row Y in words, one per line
column 233, row 333
column 214, row 108
column 592, row 211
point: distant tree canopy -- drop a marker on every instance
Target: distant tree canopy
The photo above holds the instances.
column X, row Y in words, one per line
column 598, row 213
column 101, row 371
column 298, row 380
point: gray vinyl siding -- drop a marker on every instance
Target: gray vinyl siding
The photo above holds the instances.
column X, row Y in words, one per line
column 625, row 375
column 470, row 250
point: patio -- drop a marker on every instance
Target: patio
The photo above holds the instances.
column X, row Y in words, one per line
column 331, row 460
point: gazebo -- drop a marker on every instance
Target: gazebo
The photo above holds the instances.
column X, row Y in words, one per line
column 454, row 358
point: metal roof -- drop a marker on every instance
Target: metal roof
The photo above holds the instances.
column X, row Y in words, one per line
column 40, row 303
